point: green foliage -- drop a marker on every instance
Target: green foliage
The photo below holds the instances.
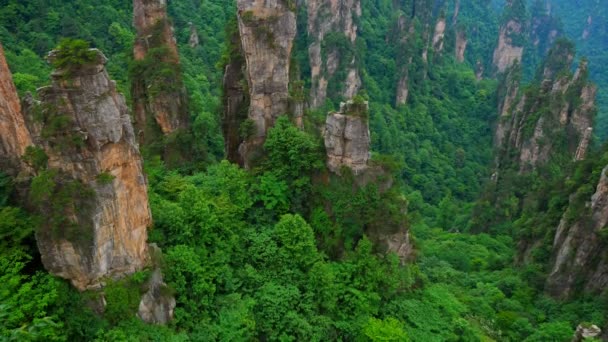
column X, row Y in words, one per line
column 122, row 299
column 285, row 251
column 105, row 178
column 36, row 158
column 388, row 329
column 72, row 54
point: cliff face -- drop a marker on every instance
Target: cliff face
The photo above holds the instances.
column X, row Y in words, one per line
column 347, row 138
column 236, row 102
column 439, row 35
column 405, row 32
column 14, row 136
column 510, row 46
column 580, row 261
column 552, row 117
column 267, row 30
column 461, row 45
column 330, row 22
column 159, row 97
column 96, row 213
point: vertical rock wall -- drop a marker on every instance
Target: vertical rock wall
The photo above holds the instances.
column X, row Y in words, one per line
column 555, row 119
column 159, row 97
column 14, row 136
column 267, row 30
column 580, row 261
column 337, row 20
column 347, row 138
column 510, row 46
column 96, row 215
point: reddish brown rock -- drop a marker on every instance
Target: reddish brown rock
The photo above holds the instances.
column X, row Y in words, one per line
column 14, row 136
column 83, row 125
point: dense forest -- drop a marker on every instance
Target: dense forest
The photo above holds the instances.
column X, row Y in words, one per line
column 310, row 170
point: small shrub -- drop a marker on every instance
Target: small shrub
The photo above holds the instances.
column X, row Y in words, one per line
column 105, row 178
column 73, row 53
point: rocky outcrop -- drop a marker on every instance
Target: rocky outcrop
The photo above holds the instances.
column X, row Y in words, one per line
column 510, row 46
column 439, row 35
column 93, row 192
column 157, row 305
column 544, row 29
column 159, row 97
column 552, row 118
column 347, row 138
column 586, row 332
column 335, row 20
column 14, row 136
column 461, row 45
column 267, row 30
column 580, row 261
column 194, row 40
column 587, row 30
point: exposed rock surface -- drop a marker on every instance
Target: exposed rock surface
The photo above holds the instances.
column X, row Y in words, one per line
column 510, row 42
column 439, row 35
column 157, row 305
column 347, row 138
column 561, row 110
column 405, row 32
column 83, row 125
column 337, row 17
column 236, row 105
column 461, row 45
column 14, row 136
column 267, row 30
column 194, row 40
column 159, row 99
column 580, row 258
column 584, row 332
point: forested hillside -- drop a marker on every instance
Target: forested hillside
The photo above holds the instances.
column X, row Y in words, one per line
column 311, row 170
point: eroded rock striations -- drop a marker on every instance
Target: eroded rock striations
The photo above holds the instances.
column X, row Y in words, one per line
column 553, row 117
column 14, row 136
column 332, row 29
column 159, row 97
column 95, row 208
column 511, row 37
column 347, row 138
column 267, row 30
